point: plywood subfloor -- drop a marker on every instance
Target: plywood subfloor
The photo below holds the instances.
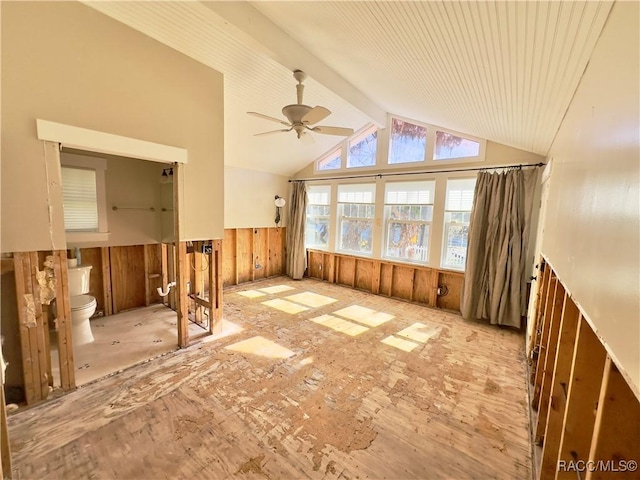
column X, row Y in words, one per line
column 124, row 340
column 385, row 389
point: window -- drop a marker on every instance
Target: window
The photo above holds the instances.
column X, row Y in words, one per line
column 356, row 211
column 362, row 149
column 332, row 161
column 449, row 146
column 84, row 199
column 316, row 234
column 407, row 143
column 79, row 199
column 408, row 214
column 456, row 222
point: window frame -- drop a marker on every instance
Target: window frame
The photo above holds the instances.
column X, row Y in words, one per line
column 360, row 136
column 99, row 166
column 429, row 161
column 330, row 154
column 446, row 225
column 428, row 223
column 425, row 158
column 478, row 158
column 328, row 218
column 340, row 218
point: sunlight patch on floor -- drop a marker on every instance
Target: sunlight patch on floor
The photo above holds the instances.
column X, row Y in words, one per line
column 400, row 343
column 418, row 332
column 252, row 294
column 366, row 316
column 339, row 325
column 276, row 289
column 261, row 346
column 285, row 306
column 228, row 329
column 311, row 299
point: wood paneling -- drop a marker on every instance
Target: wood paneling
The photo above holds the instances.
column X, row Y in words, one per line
column 127, row 277
column 276, row 252
column 63, row 321
column 346, row 271
column 181, row 294
column 558, row 399
column 408, row 282
column 386, row 275
column 421, row 286
column 230, row 257
column 5, row 452
column 364, row 275
column 252, row 254
column 260, row 253
column 244, row 252
column 32, row 336
column 549, row 366
column 453, row 287
column 402, row 282
column 616, row 436
column 588, row 419
column 107, row 293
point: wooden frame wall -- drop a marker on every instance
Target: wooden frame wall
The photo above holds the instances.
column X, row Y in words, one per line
column 409, row 282
column 205, row 273
column 33, row 322
column 5, row 452
column 252, row 254
column 588, row 418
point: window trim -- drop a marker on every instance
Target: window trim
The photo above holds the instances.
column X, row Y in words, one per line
column 360, row 136
column 330, row 153
column 446, row 224
column 328, row 217
column 425, row 159
column 428, row 223
column 340, row 218
column 99, row 165
column 479, row 158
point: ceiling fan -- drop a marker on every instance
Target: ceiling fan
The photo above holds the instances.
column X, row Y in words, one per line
column 301, row 118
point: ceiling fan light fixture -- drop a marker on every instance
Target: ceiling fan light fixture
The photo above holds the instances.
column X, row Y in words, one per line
column 301, row 116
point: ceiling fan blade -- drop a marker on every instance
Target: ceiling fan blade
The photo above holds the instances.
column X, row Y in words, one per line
column 345, row 132
column 267, row 117
column 316, row 114
column 272, row 132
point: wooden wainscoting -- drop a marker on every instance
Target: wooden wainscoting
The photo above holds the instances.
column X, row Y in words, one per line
column 252, row 254
column 415, row 283
column 586, row 411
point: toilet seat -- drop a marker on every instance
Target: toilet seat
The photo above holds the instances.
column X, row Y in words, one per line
column 82, row 302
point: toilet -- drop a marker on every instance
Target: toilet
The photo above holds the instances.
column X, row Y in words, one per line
column 82, row 305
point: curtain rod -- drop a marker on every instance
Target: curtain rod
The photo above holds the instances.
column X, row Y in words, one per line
column 380, row 175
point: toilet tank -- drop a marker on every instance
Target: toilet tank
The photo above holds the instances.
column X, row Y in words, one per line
column 79, row 280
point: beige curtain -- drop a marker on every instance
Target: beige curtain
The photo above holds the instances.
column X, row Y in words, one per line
column 494, row 285
column 296, row 253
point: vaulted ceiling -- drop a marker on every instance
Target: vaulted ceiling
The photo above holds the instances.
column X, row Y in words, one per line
column 504, row 71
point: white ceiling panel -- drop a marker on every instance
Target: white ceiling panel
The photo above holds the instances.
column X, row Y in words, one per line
column 504, row 71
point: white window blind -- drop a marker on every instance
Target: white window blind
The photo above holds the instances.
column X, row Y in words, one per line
column 460, row 194
column 410, row 193
column 319, row 194
column 79, row 199
column 357, row 193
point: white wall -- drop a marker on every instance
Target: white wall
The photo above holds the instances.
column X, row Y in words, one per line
column 249, row 198
column 591, row 232
column 67, row 63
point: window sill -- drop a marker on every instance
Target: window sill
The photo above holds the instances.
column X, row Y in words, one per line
column 80, row 237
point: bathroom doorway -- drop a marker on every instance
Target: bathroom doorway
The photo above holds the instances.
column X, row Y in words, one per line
column 130, row 253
